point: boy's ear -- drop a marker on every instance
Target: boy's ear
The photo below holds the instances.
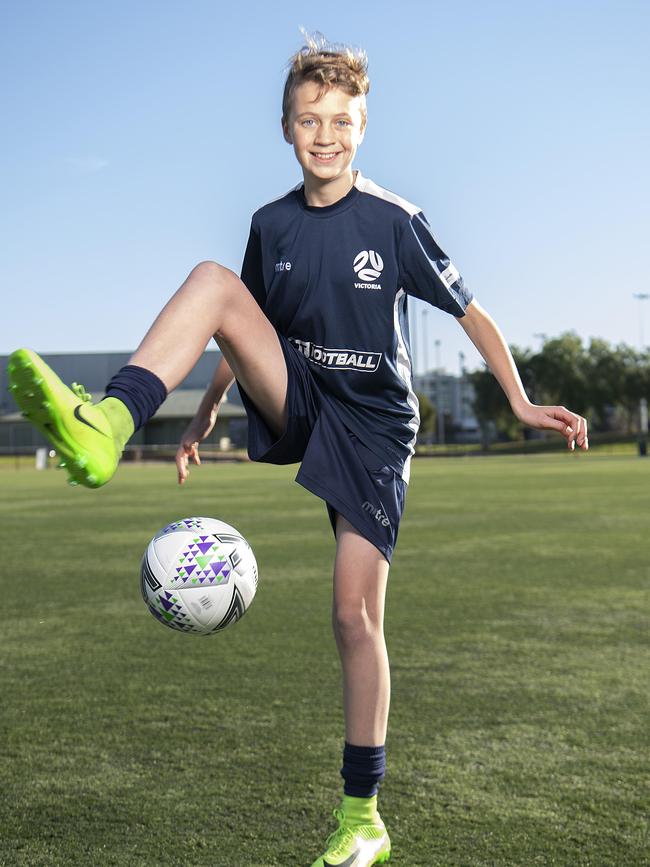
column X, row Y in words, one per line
column 285, row 131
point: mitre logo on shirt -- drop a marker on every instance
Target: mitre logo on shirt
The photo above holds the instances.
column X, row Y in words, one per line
column 368, row 266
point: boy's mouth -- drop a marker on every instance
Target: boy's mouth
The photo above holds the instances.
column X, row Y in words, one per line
column 325, row 157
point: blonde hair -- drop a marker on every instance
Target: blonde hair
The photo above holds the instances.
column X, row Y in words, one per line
column 329, row 65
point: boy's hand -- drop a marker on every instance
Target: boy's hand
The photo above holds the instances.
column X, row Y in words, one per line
column 486, row 336
column 573, row 427
column 197, row 430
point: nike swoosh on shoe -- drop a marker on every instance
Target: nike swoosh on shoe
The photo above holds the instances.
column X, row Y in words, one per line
column 85, row 421
column 347, row 863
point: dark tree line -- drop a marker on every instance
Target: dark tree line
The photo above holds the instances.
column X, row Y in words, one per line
column 602, row 382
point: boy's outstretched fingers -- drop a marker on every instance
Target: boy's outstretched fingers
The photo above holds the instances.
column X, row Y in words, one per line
column 575, row 430
column 571, row 426
column 186, row 452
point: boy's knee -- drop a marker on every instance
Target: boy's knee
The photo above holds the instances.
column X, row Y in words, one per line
column 218, row 285
column 212, row 272
column 352, row 624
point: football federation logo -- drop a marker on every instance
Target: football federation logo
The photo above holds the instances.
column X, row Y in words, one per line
column 368, row 265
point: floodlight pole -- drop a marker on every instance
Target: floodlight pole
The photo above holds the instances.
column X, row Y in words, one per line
column 439, row 405
column 413, row 332
column 423, row 347
column 541, row 336
column 461, row 389
column 643, row 403
column 425, row 313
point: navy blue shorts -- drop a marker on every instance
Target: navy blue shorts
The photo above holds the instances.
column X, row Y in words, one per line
column 335, row 464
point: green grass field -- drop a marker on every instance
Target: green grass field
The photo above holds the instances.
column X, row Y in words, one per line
column 518, row 632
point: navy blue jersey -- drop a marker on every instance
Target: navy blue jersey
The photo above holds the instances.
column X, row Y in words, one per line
column 334, row 280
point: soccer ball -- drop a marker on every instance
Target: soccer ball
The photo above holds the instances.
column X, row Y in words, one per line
column 198, row 575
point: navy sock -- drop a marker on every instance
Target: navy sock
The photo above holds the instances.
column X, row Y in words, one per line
column 363, row 768
column 140, row 390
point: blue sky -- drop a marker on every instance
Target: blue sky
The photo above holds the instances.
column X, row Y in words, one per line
column 139, row 137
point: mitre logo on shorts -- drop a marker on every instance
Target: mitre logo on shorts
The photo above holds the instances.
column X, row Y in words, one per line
column 376, row 513
column 368, row 265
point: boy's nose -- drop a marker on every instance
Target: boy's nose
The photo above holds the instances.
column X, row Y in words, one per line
column 325, row 136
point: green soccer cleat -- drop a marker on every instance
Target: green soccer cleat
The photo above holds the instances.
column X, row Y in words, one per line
column 356, row 845
column 79, row 431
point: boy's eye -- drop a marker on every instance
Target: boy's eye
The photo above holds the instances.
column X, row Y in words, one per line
column 309, row 121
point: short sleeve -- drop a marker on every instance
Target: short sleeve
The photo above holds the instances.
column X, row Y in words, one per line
column 251, row 269
column 426, row 271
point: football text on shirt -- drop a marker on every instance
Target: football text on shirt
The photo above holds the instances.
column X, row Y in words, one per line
column 339, row 359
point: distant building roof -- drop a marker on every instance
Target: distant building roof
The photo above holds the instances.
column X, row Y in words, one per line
column 180, row 404
column 94, row 370
column 185, row 402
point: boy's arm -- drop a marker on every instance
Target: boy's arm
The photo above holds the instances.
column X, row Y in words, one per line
column 485, row 334
column 204, row 419
column 221, row 381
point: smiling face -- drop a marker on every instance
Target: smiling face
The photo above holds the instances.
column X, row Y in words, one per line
column 325, row 134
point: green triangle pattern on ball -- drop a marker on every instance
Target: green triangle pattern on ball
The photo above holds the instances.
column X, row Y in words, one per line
column 201, row 563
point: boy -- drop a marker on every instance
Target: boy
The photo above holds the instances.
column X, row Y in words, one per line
column 316, row 335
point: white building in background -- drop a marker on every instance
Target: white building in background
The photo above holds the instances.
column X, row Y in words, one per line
column 453, row 396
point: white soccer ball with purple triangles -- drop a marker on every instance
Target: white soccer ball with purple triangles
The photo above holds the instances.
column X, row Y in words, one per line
column 198, row 575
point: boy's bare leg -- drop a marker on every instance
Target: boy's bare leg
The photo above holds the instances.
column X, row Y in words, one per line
column 360, row 578
column 213, row 302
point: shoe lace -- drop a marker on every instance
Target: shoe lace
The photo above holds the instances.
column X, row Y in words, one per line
column 81, row 392
column 339, row 839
